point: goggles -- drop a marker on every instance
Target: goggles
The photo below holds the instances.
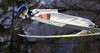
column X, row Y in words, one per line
column 24, row 12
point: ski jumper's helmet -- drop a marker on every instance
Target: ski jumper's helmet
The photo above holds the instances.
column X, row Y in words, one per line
column 23, row 10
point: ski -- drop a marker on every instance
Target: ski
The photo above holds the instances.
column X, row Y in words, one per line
column 65, row 25
column 57, row 36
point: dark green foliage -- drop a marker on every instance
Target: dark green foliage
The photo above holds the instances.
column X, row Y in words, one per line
column 1, row 29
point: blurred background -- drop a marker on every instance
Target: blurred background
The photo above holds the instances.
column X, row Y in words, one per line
column 11, row 25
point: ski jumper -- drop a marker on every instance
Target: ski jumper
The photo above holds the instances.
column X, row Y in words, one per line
column 64, row 18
